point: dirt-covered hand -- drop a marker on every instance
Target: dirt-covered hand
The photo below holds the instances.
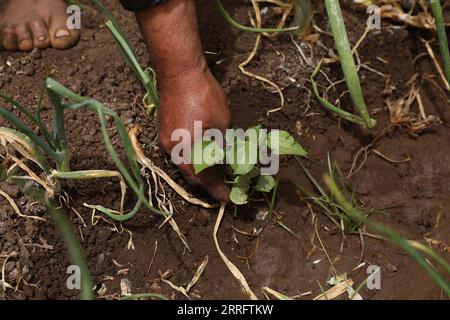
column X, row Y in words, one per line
column 196, row 96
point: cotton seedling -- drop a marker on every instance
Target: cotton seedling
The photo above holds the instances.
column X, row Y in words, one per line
column 245, row 154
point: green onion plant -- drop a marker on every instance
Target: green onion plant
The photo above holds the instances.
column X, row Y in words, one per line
column 54, row 146
column 348, row 67
column 442, row 35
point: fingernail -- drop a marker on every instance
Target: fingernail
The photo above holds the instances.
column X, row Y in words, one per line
column 62, row 33
column 42, row 38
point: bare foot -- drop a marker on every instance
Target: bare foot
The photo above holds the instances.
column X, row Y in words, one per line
column 26, row 24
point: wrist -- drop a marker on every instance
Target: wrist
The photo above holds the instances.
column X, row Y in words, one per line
column 182, row 75
column 176, row 66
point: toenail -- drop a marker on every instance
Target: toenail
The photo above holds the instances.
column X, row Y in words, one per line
column 62, row 33
column 24, row 40
column 42, row 38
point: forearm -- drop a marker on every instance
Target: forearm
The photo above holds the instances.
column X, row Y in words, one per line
column 171, row 33
column 188, row 90
column 137, row 5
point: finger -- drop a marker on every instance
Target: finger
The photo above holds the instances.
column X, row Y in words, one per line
column 224, row 121
column 212, row 181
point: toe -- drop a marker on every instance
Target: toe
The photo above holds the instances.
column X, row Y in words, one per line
column 41, row 37
column 24, row 39
column 8, row 39
column 60, row 36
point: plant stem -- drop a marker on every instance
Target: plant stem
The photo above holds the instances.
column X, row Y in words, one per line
column 140, row 296
column 392, row 235
column 346, row 57
column 63, row 225
column 239, row 26
column 442, row 36
column 58, row 120
column 35, row 119
column 302, row 17
column 59, row 131
column 135, row 184
column 342, row 113
column 146, row 79
column 17, row 123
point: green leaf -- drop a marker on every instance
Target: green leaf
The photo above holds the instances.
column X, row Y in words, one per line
column 238, row 195
column 265, row 184
column 284, row 144
column 245, row 157
column 240, row 135
column 205, row 154
column 239, row 191
column 257, row 130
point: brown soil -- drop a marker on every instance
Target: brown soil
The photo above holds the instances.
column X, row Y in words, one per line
column 416, row 192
